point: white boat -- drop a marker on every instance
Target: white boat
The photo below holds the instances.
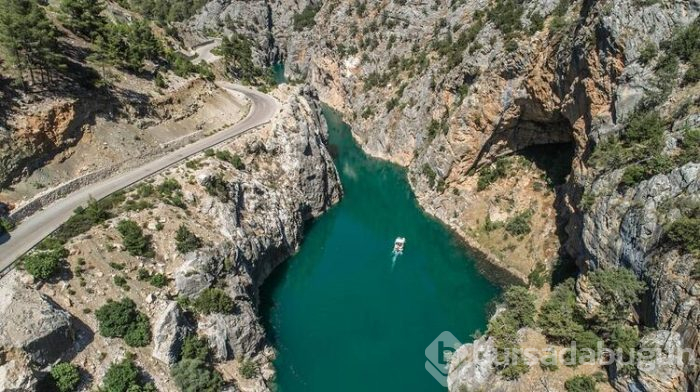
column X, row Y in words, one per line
column 398, row 245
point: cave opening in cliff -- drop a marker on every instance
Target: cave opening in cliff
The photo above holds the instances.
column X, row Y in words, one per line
column 555, row 160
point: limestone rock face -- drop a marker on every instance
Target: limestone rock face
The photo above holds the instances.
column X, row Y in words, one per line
column 621, row 229
column 471, row 367
column 664, row 369
column 34, row 138
column 32, row 322
column 16, row 373
column 262, row 218
column 169, row 332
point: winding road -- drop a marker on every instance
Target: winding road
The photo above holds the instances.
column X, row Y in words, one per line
column 35, row 228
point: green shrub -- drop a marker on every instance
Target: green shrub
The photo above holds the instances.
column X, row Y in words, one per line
column 585, row 341
column 580, row 384
column 624, row 338
column 168, row 186
column 248, row 369
column 186, row 241
column 193, row 375
column 195, row 347
column 65, row 377
column 492, row 173
column 305, row 19
column 45, row 260
column 633, row 174
column 549, row 363
column 560, row 318
column 643, row 127
column 648, row 52
column 158, row 280
column 218, row 187
column 692, row 74
column 42, row 265
column 135, row 242
column 520, row 304
column 6, row 225
column 436, row 127
column 503, row 328
column 519, row 224
column 690, row 146
column 213, row 300
column 120, row 280
column 122, row 319
column 619, row 289
column 125, row 376
column 429, row 173
column 505, row 14
column 233, row 159
column 685, row 233
column 685, row 42
column 145, row 190
column 537, row 277
column 83, row 219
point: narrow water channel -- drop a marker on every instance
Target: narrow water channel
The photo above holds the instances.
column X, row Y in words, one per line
column 341, row 315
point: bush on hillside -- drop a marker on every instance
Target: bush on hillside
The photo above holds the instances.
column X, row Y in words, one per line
column 538, row 276
column 619, row 290
column 84, row 219
column 125, row 376
column 45, row 261
column 233, row 159
column 213, row 300
column 580, row 384
column 519, row 224
column 195, row 347
column 305, row 19
column 560, row 318
column 685, row 233
column 193, row 375
column 520, row 304
column 135, row 242
column 492, row 173
column 65, row 377
column 248, row 369
column 186, row 241
column 122, row 319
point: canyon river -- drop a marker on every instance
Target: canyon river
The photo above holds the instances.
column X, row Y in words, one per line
column 341, row 315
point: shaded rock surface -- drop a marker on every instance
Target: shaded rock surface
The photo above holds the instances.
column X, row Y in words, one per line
column 169, row 332
column 32, row 322
column 446, row 117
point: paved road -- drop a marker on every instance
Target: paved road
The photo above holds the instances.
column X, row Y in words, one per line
column 35, row 228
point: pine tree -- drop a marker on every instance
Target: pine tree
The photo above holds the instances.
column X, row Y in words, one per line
column 84, row 16
column 29, row 39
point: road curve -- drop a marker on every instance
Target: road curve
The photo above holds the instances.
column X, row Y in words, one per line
column 38, row 226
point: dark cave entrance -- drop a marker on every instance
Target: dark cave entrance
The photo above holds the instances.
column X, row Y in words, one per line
column 555, row 160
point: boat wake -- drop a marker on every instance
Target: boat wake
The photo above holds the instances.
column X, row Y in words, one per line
column 398, row 250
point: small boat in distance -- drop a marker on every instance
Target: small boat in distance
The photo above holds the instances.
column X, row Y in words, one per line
column 398, row 245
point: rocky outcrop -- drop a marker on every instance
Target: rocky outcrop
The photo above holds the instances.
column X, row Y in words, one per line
column 16, row 373
column 471, row 367
column 32, row 322
column 261, row 216
column 662, row 366
column 31, row 140
column 169, row 332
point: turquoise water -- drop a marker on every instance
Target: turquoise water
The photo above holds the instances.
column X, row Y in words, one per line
column 342, row 316
column 278, row 73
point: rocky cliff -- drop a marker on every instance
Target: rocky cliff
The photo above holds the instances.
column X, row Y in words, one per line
column 247, row 203
column 463, row 92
